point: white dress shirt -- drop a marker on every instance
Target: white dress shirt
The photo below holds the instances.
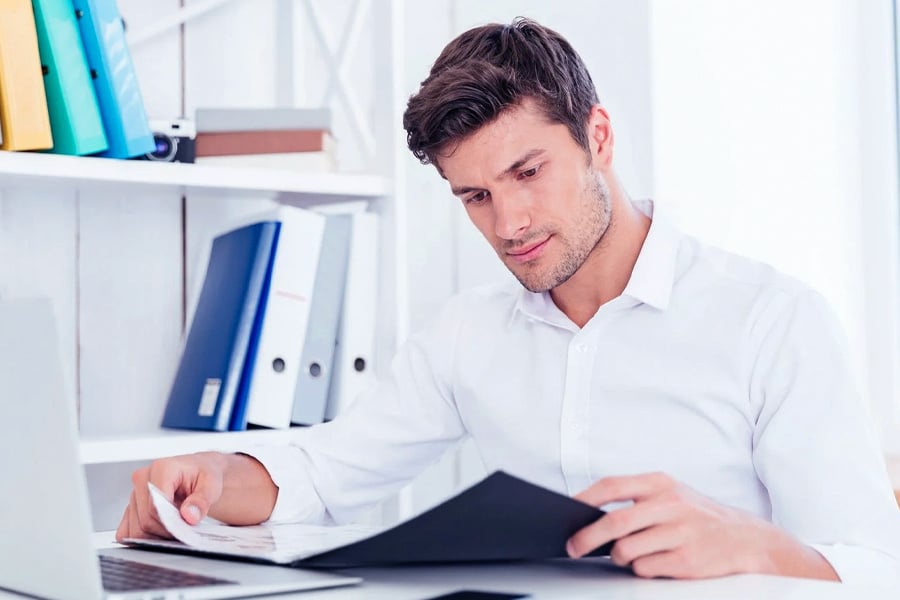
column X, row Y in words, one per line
column 723, row 373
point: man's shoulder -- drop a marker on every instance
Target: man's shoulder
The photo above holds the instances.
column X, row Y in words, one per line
column 708, row 265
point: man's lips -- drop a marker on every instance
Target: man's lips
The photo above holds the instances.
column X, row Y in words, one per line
column 529, row 252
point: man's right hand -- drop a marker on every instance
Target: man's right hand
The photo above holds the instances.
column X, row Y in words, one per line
column 233, row 488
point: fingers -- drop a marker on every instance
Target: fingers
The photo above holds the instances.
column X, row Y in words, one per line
column 206, row 490
column 124, row 529
column 131, row 527
column 619, row 524
column 628, row 487
column 650, row 541
column 662, row 564
column 145, row 515
column 194, row 483
column 679, row 563
column 147, row 518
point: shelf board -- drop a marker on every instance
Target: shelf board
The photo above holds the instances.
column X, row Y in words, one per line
column 31, row 169
column 162, row 443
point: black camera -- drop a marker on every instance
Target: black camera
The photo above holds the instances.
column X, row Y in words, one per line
column 175, row 140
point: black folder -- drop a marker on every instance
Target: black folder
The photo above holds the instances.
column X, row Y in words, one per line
column 501, row 518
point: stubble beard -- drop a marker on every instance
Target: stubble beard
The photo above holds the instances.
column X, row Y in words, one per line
column 577, row 246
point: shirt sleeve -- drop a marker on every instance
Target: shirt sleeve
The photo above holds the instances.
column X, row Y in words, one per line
column 333, row 472
column 814, row 447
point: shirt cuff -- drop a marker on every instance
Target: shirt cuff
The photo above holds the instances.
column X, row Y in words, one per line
column 297, row 500
column 861, row 566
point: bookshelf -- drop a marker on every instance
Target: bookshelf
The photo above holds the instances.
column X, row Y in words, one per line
column 28, row 174
column 114, row 243
column 49, row 172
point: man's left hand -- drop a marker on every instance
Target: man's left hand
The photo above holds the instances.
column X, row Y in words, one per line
column 673, row 531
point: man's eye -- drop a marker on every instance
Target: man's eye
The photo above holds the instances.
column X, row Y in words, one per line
column 529, row 172
column 476, row 198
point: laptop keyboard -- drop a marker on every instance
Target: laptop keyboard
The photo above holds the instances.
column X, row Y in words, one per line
column 121, row 575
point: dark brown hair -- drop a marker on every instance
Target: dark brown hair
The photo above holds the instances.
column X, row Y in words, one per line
column 489, row 69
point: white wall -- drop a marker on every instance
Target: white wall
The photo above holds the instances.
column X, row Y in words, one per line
column 774, row 137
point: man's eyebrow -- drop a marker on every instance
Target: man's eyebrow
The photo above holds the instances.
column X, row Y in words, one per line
column 521, row 162
column 518, row 164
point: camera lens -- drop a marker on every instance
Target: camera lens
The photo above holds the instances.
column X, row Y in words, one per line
column 166, row 147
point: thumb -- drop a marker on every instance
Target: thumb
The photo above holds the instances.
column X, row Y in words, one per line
column 193, row 509
column 196, row 506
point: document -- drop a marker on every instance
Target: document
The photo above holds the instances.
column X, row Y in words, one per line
column 281, row 544
column 500, row 518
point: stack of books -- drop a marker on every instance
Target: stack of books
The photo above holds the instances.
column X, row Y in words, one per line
column 67, row 83
column 274, row 340
column 297, row 139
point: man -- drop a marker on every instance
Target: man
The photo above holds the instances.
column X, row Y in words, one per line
column 705, row 392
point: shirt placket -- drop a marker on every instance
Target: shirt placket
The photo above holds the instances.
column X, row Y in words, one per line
column 575, row 422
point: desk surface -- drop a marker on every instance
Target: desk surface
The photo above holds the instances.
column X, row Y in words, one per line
column 558, row 579
column 592, row 578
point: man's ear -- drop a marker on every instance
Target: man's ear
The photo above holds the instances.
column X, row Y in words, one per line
column 600, row 137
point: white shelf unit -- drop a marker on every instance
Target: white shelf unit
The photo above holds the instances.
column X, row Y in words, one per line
column 159, row 444
column 114, row 243
column 85, row 175
column 32, row 170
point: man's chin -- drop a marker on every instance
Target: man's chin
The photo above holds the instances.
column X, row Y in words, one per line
column 532, row 284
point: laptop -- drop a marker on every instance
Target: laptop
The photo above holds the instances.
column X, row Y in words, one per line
column 46, row 546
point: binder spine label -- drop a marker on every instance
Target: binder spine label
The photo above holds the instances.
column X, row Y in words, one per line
column 209, row 398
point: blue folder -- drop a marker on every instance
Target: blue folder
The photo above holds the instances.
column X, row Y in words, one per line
column 223, row 335
column 71, row 100
column 115, row 81
column 238, row 421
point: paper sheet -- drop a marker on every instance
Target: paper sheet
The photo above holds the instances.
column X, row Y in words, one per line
column 280, row 543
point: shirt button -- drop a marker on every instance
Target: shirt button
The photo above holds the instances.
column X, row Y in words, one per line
column 583, row 348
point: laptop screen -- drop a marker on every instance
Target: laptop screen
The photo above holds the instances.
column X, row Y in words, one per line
column 46, row 525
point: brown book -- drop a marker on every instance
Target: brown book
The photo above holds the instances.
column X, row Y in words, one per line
column 263, row 142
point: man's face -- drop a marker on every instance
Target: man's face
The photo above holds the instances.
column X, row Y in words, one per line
column 533, row 193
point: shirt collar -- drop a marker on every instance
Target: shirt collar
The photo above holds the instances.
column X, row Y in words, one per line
column 652, row 277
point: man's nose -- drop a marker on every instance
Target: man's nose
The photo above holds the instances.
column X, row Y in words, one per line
column 511, row 215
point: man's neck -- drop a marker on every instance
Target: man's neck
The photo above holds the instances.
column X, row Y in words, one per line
column 606, row 272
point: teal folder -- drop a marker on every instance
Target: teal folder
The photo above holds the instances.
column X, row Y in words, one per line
column 71, row 101
column 115, row 81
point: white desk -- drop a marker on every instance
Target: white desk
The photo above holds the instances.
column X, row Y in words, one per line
column 559, row 580
column 566, row 579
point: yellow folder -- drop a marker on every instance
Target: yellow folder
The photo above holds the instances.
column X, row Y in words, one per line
column 23, row 103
